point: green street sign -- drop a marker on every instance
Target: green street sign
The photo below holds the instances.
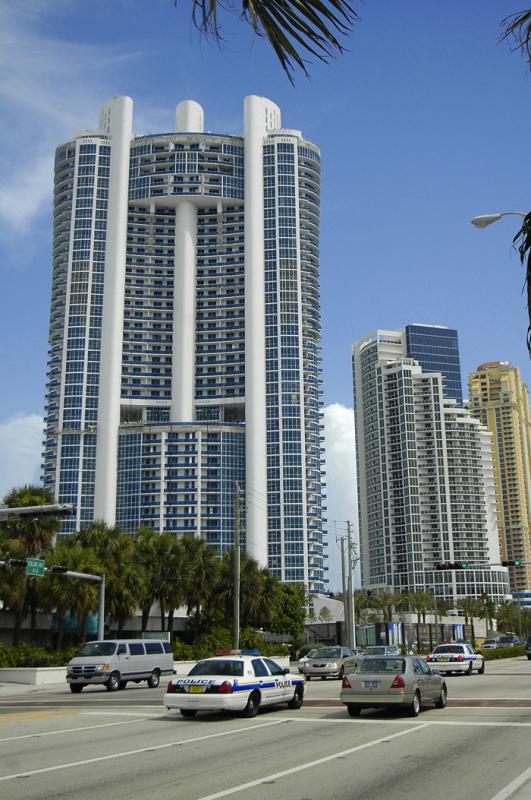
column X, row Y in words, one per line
column 35, row 566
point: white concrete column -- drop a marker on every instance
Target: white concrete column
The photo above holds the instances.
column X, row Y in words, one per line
column 116, row 120
column 183, row 361
column 260, row 115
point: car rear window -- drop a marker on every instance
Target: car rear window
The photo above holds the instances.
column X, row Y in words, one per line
column 218, row 667
column 449, row 648
column 376, row 651
column 153, row 647
column 394, row 665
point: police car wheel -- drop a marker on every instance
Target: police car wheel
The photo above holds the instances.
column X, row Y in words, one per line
column 188, row 712
column 76, row 687
column 113, row 683
column 253, row 704
column 296, row 700
column 470, row 669
column 481, row 670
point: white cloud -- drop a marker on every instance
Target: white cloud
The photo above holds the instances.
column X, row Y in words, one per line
column 340, row 455
column 20, row 451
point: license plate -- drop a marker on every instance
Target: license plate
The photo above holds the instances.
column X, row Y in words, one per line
column 443, row 659
column 195, row 689
column 371, row 684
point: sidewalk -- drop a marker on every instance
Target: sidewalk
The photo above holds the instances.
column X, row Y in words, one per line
column 13, row 689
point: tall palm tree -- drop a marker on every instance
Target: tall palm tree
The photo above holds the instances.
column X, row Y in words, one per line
column 293, row 28
column 199, row 569
column 471, row 607
column 149, row 568
column 385, row 602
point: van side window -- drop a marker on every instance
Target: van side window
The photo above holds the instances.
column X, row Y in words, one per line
column 153, row 647
column 136, row 648
column 167, row 647
column 122, row 649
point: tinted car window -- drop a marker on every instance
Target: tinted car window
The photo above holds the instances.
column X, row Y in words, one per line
column 136, row 648
column 259, row 667
column 122, row 649
column 383, row 665
column 167, row 647
column 274, row 668
column 449, row 648
column 218, row 667
column 93, row 649
column 328, row 652
column 153, row 647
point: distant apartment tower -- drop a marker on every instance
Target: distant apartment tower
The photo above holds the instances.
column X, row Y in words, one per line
column 436, row 348
column 185, row 333
column 500, row 400
column 425, row 479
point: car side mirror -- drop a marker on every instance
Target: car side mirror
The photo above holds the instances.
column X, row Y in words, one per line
column 286, row 671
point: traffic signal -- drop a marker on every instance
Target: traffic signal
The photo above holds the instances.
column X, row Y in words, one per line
column 513, row 562
column 453, row 565
column 57, row 568
column 17, row 562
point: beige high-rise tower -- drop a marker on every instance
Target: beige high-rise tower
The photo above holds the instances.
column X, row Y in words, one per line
column 499, row 399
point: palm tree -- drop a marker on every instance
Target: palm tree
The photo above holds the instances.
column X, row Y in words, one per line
column 507, row 616
column 291, row 27
column 149, row 568
column 199, row 570
column 489, row 609
column 471, row 608
column 58, row 591
column 385, row 602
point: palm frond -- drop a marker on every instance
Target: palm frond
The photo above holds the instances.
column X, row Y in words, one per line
column 294, row 28
column 522, row 243
column 517, row 27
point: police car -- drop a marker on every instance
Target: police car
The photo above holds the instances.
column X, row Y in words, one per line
column 239, row 683
column 456, row 657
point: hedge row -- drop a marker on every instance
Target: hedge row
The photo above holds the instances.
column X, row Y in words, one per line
column 503, row 652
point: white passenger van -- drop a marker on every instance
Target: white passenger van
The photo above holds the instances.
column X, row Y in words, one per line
column 114, row 662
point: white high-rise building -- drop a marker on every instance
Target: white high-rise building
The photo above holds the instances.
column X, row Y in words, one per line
column 184, row 333
column 425, row 479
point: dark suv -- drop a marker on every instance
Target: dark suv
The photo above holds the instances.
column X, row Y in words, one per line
column 528, row 647
column 509, row 640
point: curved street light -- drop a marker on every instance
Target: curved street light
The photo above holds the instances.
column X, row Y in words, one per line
column 488, row 219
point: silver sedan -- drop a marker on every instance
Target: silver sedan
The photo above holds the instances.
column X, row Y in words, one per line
column 327, row 662
column 406, row 681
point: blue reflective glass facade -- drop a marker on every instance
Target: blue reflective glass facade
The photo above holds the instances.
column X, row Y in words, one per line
column 437, row 350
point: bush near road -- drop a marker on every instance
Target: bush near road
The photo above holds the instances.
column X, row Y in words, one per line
column 503, row 652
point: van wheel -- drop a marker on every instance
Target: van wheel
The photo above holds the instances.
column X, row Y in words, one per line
column 113, row 684
column 253, row 704
column 122, row 684
column 76, row 688
column 154, row 679
column 353, row 709
column 188, row 712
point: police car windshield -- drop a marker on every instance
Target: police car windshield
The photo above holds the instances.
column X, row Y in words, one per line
column 92, row 649
column 327, row 652
column 218, row 667
column 449, row 648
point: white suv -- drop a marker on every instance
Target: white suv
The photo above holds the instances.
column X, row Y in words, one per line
column 454, row 657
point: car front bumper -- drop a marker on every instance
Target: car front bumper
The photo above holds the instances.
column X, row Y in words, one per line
column 322, row 672
column 85, row 680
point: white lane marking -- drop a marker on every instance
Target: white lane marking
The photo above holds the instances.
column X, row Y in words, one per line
column 513, row 787
column 458, row 723
column 37, row 735
column 149, row 748
column 275, row 775
column 145, row 714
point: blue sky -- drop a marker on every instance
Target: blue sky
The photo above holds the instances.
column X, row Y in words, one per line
column 423, row 124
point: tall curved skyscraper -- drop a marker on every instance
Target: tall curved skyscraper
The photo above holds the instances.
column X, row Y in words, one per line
column 185, row 333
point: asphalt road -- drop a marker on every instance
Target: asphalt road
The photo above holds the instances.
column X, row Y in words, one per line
column 126, row 745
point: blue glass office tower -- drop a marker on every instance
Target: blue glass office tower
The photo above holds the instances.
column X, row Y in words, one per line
column 184, row 333
column 436, row 348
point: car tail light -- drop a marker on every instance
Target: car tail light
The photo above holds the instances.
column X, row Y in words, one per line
column 171, row 688
column 346, row 683
column 398, row 683
column 225, row 688
column 429, row 658
column 460, row 658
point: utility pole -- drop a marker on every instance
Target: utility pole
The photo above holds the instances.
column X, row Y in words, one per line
column 345, row 588
column 351, row 618
column 236, row 630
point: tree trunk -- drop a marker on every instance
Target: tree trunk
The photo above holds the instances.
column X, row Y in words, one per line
column 145, row 617
column 83, row 627
column 170, row 622
column 60, row 629
column 17, row 626
column 33, row 619
column 162, row 618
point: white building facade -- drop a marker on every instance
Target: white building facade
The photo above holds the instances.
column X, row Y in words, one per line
column 425, row 479
column 184, row 333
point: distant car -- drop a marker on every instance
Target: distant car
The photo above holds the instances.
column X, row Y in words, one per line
column 528, row 647
column 489, row 644
column 508, row 640
column 234, row 683
column 302, row 661
column 456, row 657
column 383, row 650
column 393, row 680
column 327, row 662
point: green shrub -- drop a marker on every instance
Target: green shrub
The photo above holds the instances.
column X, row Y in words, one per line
column 28, row 655
column 503, row 652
